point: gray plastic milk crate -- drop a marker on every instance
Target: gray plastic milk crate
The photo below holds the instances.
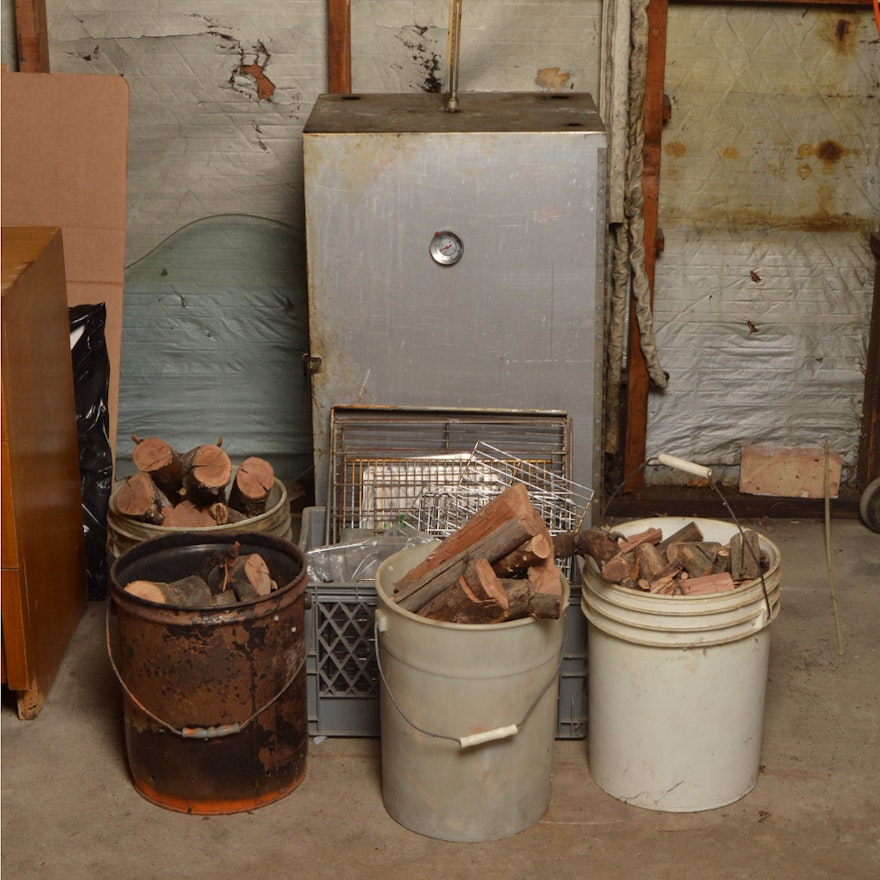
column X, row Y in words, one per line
column 342, row 675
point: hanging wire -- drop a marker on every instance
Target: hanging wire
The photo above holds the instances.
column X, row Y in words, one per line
column 745, row 544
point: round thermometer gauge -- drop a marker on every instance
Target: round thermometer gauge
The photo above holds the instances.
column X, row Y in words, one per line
column 446, row 248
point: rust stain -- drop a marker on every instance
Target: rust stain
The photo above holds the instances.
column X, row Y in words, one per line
column 804, row 171
column 265, row 86
column 840, row 32
column 730, row 153
column 551, row 79
column 829, row 152
column 824, row 219
column 675, row 148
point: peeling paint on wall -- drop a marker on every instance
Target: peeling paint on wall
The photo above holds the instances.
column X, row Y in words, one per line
column 255, row 70
column 551, row 79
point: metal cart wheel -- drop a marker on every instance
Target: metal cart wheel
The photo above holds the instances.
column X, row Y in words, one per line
column 869, row 506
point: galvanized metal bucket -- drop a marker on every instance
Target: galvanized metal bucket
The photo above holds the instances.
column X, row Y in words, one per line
column 214, row 698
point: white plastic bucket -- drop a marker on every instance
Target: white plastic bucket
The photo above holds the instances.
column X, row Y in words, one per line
column 676, row 684
column 468, row 716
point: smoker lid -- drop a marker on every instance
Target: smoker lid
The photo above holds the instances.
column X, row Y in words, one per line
column 571, row 112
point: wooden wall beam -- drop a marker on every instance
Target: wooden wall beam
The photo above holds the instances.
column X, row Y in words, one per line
column 32, row 36
column 638, row 381
column 339, row 46
column 869, row 439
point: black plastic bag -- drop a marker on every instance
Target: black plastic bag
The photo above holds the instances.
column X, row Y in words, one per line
column 91, row 381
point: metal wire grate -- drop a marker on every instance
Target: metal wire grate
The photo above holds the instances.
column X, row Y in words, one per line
column 387, row 463
column 489, row 471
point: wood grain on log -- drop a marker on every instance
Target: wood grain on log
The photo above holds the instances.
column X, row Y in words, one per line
column 207, row 471
column 188, row 592
column 187, row 516
column 704, row 586
column 505, row 523
column 140, row 498
column 745, row 555
column 156, row 457
column 250, row 490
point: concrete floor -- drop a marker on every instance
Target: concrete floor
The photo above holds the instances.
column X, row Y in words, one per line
column 69, row 809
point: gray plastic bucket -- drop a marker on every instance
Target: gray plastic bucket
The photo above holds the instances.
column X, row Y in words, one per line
column 676, row 684
column 468, row 716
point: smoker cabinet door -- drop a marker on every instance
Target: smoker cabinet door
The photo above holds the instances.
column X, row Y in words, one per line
column 512, row 324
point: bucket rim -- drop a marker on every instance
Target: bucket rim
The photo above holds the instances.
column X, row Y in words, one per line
column 209, row 614
column 120, row 519
column 684, row 625
column 388, row 603
column 594, row 578
column 745, row 594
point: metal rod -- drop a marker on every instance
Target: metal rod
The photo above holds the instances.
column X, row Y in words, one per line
column 452, row 51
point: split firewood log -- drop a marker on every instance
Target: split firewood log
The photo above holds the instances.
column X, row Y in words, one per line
column 722, row 560
column 222, row 514
column 248, row 577
column 598, row 545
column 186, row 515
column 665, row 577
column 745, row 555
column 697, row 559
column 651, row 562
column 481, row 579
column 207, row 471
column 188, row 592
column 704, row 586
column 532, row 552
column 156, row 457
column 523, row 600
column 501, row 526
column 546, row 578
column 459, row 604
column 140, row 498
column 250, row 490
column 688, row 534
column 648, row 536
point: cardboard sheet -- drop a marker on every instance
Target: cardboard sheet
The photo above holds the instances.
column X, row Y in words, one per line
column 64, row 161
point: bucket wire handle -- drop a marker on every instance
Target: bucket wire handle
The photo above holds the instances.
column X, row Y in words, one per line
column 472, row 739
column 698, row 470
column 215, row 731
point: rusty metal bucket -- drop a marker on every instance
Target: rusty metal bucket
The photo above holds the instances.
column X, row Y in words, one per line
column 214, row 698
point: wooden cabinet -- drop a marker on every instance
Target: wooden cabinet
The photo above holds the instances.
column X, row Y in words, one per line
column 43, row 562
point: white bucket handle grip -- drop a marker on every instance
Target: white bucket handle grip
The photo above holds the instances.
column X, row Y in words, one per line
column 682, row 464
column 477, row 739
column 380, row 625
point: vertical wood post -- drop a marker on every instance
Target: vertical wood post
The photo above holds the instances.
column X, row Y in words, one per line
column 32, row 36
column 869, row 441
column 339, row 46
column 638, row 381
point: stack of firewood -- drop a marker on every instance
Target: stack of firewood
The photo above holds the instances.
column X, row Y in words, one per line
column 189, row 490
column 502, row 564
column 683, row 564
column 228, row 578
column 498, row 566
